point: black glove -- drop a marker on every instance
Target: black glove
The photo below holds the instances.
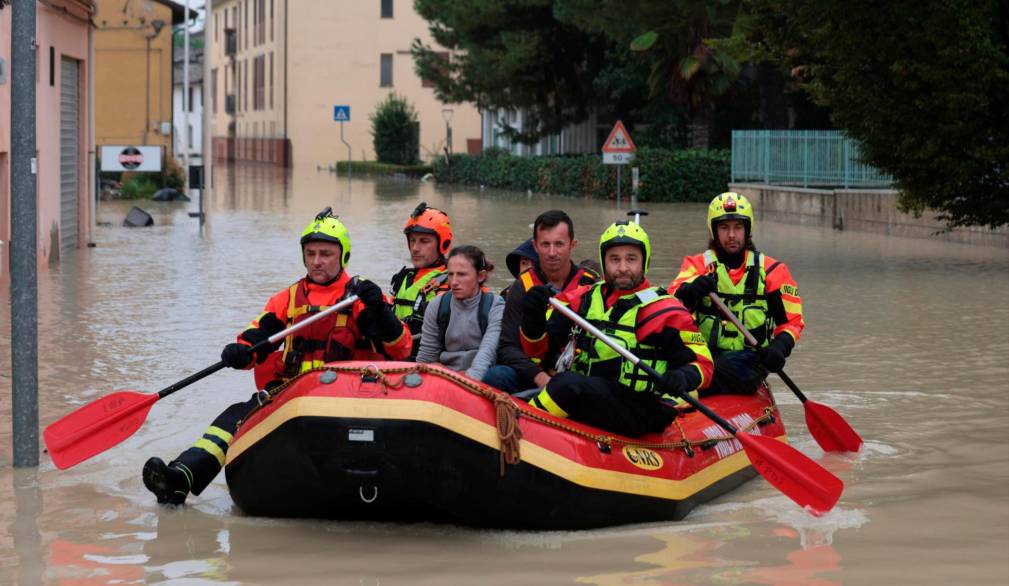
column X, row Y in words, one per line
column 236, row 355
column 693, row 292
column 773, row 356
column 370, row 294
column 269, row 325
column 674, row 383
column 377, row 321
column 534, row 311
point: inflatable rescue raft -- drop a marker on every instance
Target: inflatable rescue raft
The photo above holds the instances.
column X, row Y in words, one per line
column 414, row 442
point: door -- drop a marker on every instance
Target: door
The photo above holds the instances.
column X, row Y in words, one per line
column 69, row 153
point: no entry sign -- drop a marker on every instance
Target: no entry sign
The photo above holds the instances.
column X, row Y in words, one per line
column 131, row 158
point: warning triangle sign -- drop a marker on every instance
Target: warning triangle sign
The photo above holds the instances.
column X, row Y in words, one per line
column 619, row 140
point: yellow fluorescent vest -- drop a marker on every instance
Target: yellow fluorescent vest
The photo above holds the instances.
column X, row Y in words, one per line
column 619, row 322
column 746, row 299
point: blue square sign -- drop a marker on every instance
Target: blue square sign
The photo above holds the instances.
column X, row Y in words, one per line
column 341, row 113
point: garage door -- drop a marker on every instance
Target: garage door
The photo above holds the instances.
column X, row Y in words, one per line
column 69, row 152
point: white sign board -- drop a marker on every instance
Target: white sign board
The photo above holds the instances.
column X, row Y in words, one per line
column 131, row 158
column 617, row 158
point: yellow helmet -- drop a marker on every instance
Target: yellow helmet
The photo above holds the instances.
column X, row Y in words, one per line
column 328, row 228
column 625, row 232
column 730, row 206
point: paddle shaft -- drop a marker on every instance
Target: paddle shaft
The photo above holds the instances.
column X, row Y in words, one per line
column 628, row 355
column 271, row 340
column 751, row 340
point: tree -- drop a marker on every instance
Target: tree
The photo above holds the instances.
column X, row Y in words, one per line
column 684, row 44
column 396, row 131
column 922, row 85
column 511, row 54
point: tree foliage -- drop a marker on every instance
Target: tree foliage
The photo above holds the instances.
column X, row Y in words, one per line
column 395, row 131
column 922, row 85
column 677, row 41
column 511, row 54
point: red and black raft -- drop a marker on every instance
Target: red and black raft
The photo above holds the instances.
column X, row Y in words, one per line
column 410, row 442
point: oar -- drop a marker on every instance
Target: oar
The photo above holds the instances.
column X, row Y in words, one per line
column 103, row 423
column 827, row 427
column 798, row 477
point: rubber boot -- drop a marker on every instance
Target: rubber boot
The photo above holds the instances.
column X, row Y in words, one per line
column 169, row 482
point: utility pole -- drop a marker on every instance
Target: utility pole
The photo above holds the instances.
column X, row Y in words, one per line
column 186, row 105
column 207, row 158
column 23, row 255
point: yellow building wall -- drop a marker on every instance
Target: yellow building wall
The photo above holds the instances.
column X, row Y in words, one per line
column 133, row 73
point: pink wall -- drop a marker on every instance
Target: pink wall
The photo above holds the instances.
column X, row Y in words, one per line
column 69, row 36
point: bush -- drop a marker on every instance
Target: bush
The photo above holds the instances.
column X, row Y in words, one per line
column 396, row 131
column 138, row 186
column 374, row 168
column 666, row 175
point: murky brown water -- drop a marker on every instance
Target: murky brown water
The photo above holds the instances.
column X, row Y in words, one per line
column 906, row 338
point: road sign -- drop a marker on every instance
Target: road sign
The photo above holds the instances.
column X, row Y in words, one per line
column 618, row 148
column 619, row 140
column 617, row 158
column 130, row 158
column 341, row 113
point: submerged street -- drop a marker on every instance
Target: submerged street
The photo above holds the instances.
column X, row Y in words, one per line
column 905, row 338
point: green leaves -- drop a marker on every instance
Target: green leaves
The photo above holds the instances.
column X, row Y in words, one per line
column 645, row 41
column 666, row 175
column 921, row 86
column 395, row 130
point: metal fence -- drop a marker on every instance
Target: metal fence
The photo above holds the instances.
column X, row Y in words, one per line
column 801, row 157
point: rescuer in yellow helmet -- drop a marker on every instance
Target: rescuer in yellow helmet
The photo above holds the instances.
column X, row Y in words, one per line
column 758, row 289
column 368, row 330
column 602, row 388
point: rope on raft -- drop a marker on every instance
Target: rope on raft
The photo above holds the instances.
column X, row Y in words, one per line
column 507, row 410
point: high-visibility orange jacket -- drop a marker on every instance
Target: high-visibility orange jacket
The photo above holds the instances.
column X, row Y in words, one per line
column 771, row 282
column 337, row 337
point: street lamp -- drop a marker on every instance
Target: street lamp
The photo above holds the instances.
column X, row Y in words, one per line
column 446, row 115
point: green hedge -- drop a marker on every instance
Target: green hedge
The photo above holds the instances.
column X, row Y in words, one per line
column 666, row 175
column 376, row 168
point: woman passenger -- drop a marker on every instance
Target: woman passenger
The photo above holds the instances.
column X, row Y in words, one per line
column 461, row 326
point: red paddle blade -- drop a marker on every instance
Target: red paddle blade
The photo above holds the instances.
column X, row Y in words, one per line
column 787, row 469
column 830, row 430
column 96, row 427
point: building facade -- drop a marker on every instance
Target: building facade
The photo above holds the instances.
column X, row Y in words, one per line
column 63, row 129
column 133, row 72
column 194, row 102
column 279, row 67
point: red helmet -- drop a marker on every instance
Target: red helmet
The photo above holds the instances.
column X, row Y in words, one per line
column 431, row 221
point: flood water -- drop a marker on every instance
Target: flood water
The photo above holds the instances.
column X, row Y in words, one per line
column 907, row 339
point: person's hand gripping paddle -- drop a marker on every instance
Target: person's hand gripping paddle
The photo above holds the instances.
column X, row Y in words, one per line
column 827, row 427
column 103, row 423
column 801, row 479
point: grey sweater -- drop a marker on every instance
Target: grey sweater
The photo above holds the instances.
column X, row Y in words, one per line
column 466, row 349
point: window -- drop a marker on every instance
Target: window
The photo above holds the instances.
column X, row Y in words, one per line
column 271, row 80
column 190, row 136
column 386, row 73
column 192, row 93
column 386, row 8
column 258, row 82
column 213, row 89
column 271, row 21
